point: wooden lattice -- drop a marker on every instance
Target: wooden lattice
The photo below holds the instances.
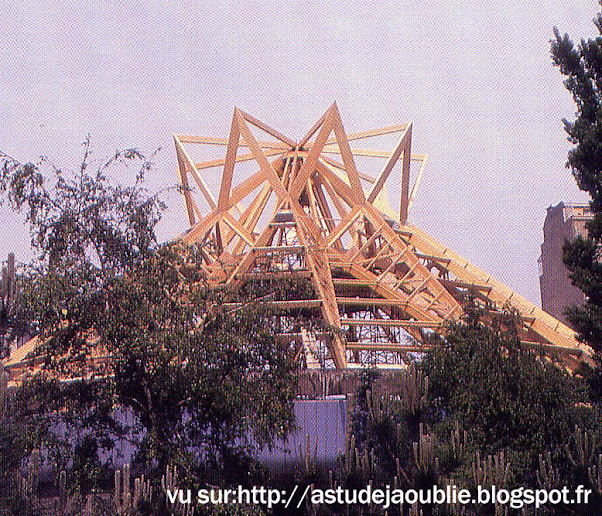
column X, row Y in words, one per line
column 306, row 211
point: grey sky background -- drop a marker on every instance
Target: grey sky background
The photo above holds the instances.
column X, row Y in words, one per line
column 475, row 77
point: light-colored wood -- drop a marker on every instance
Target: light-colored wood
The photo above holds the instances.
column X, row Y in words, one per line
column 259, row 276
column 335, row 197
column 395, row 348
column 199, row 231
column 235, row 279
column 354, row 179
column 416, row 183
column 345, row 224
column 446, row 298
column 254, row 213
column 310, row 348
column 405, row 178
column 241, row 191
column 309, row 163
column 267, row 129
column 386, row 285
column 239, row 229
column 224, row 192
column 303, row 141
column 384, row 174
column 545, row 325
column 342, row 189
column 183, row 176
column 205, row 140
column 391, row 322
column 368, row 153
column 403, row 277
column 198, row 179
column 251, row 214
column 321, row 277
column 369, row 279
column 375, row 132
column 313, row 203
column 239, row 159
column 326, row 213
column 284, row 305
column 369, row 302
column 260, row 157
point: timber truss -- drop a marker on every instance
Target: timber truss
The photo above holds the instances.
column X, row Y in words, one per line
column 305, row 212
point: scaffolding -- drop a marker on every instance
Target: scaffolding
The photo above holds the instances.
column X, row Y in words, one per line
column 306, row 211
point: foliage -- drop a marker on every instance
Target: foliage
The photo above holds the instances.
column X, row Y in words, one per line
column 506, row 397
column 133, row 326
column 478, row 411
column 12, row 449
column 14, row 326
column 196, row 374
column 582, row 67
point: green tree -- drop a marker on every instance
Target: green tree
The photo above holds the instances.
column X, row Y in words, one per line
column 199, row 377
column 478, row 395
column 506, row 397
column 582, row 66
column 131, row 324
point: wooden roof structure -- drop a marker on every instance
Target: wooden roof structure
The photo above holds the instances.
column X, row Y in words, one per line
column 306, row 210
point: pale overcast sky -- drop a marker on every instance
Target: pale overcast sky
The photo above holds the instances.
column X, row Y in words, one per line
column 475, row 77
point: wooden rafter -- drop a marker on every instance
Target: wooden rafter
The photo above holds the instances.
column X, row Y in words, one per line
column 380, row 282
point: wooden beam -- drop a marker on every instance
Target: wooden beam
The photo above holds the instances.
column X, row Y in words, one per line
column 255, row 209
column 234, row 281
column 405, row 178
column 449, row 304
column 183, row 175
column 314, row 128
column 416, row 183
column 238, row 228
column 203, row 226
column 418, row 294
column 336, row 200
column 198, row 179
column 309, row 164
column 264, row 164
column 392, row 347
column 368, row 302
column 368, row 153
column 209, row 140
column 317, row 262
column 266, row 128
column 347, row 156
column 298, row 304
column 374, row 132
column 224, row 193
column 342, row 189
column 369, row 279
column 262, row 276
column 345, row 224
column 384, row 174
column 318, row 186
column 549, row 328
column 239, row 159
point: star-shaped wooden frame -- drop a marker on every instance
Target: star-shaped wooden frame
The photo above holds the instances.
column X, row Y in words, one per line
column 382, row 284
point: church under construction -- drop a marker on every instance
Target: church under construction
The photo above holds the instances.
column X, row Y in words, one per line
column 306, row 210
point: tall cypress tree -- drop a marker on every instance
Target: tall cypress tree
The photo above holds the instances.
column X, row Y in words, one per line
column 581, row 64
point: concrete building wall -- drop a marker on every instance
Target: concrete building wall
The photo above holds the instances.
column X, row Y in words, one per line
column 563, row 222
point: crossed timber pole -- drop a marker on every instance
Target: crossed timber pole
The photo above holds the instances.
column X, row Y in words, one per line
column 307, row 211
